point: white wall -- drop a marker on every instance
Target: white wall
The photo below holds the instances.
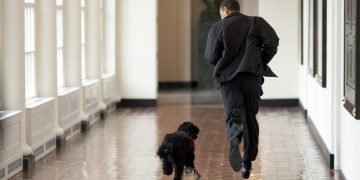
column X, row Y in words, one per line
column 285, row 63
column 350, row 146
column 137, row 48
column 316, row 99
column 174, row 29
column 337, row 127
column 349, row 128
column 197, row 6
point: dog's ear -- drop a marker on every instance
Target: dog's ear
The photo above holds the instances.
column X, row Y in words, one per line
column 161, row 151
column 165, row 149
column 186, row 126
column 196, row 130
column 183, row 126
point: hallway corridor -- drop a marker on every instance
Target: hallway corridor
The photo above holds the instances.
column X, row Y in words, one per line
column 123, row 146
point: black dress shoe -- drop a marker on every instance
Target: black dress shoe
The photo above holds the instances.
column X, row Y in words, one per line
column 246, row 170
column 234, row 154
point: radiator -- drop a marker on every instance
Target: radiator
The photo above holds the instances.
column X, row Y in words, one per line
column 10, row 144
column 109, row 88
column 69, row 110
column 91, row 96
column 40, row 134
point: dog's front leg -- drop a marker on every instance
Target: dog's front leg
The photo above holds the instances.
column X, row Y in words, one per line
column 179, row 171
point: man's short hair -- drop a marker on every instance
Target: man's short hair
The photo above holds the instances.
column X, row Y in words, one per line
column 232, row 5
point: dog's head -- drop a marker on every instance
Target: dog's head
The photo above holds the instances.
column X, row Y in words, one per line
column 189, row 128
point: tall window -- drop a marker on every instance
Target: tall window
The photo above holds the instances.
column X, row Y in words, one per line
column 310, row 31
column 83, row 40
column 320, row 40
column 60, row 43
column 30, row 57
column 318, row 35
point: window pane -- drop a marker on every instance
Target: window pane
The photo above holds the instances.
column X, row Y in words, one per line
column 30, row 73
column 319, row 38
column 60, row 59
column 30, row 1
column 350, row 52
column 59, row 2
column 83, row 41
column 60, row 68
column 311, row 37
column 83, row 68
column 59, row 27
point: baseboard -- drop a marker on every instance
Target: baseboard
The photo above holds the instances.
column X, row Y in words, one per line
column 279, row 103
column 329, row 158
column 303, row 110
column 341, row 175
column 177, row 85
column 137, row 103
column 85, row 126
column 28, row 162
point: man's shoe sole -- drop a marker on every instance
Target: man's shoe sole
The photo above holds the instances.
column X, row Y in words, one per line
column 234, row 155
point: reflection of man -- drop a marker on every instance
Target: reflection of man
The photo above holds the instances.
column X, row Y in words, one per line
column 240, row 47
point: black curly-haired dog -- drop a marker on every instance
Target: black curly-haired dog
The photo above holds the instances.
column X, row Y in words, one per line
column 177, row 150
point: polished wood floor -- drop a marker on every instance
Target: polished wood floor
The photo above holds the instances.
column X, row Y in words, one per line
column 124, row 145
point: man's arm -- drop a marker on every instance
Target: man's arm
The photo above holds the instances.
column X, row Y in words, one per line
column 214, row 45
column 268, row 40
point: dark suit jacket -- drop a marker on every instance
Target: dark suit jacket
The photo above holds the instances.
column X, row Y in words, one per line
column 241, row 43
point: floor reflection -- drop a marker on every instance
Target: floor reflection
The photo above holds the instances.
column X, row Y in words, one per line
column 124, row 146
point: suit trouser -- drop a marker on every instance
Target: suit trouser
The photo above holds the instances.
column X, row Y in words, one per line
column 241, row 97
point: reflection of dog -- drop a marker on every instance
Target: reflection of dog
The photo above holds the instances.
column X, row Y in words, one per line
column 177, row 150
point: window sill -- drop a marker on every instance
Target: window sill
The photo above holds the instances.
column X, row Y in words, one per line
column 37, row 101
column 67, row 90
column 8, row 114
column 89, row 82
column 107, row 75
